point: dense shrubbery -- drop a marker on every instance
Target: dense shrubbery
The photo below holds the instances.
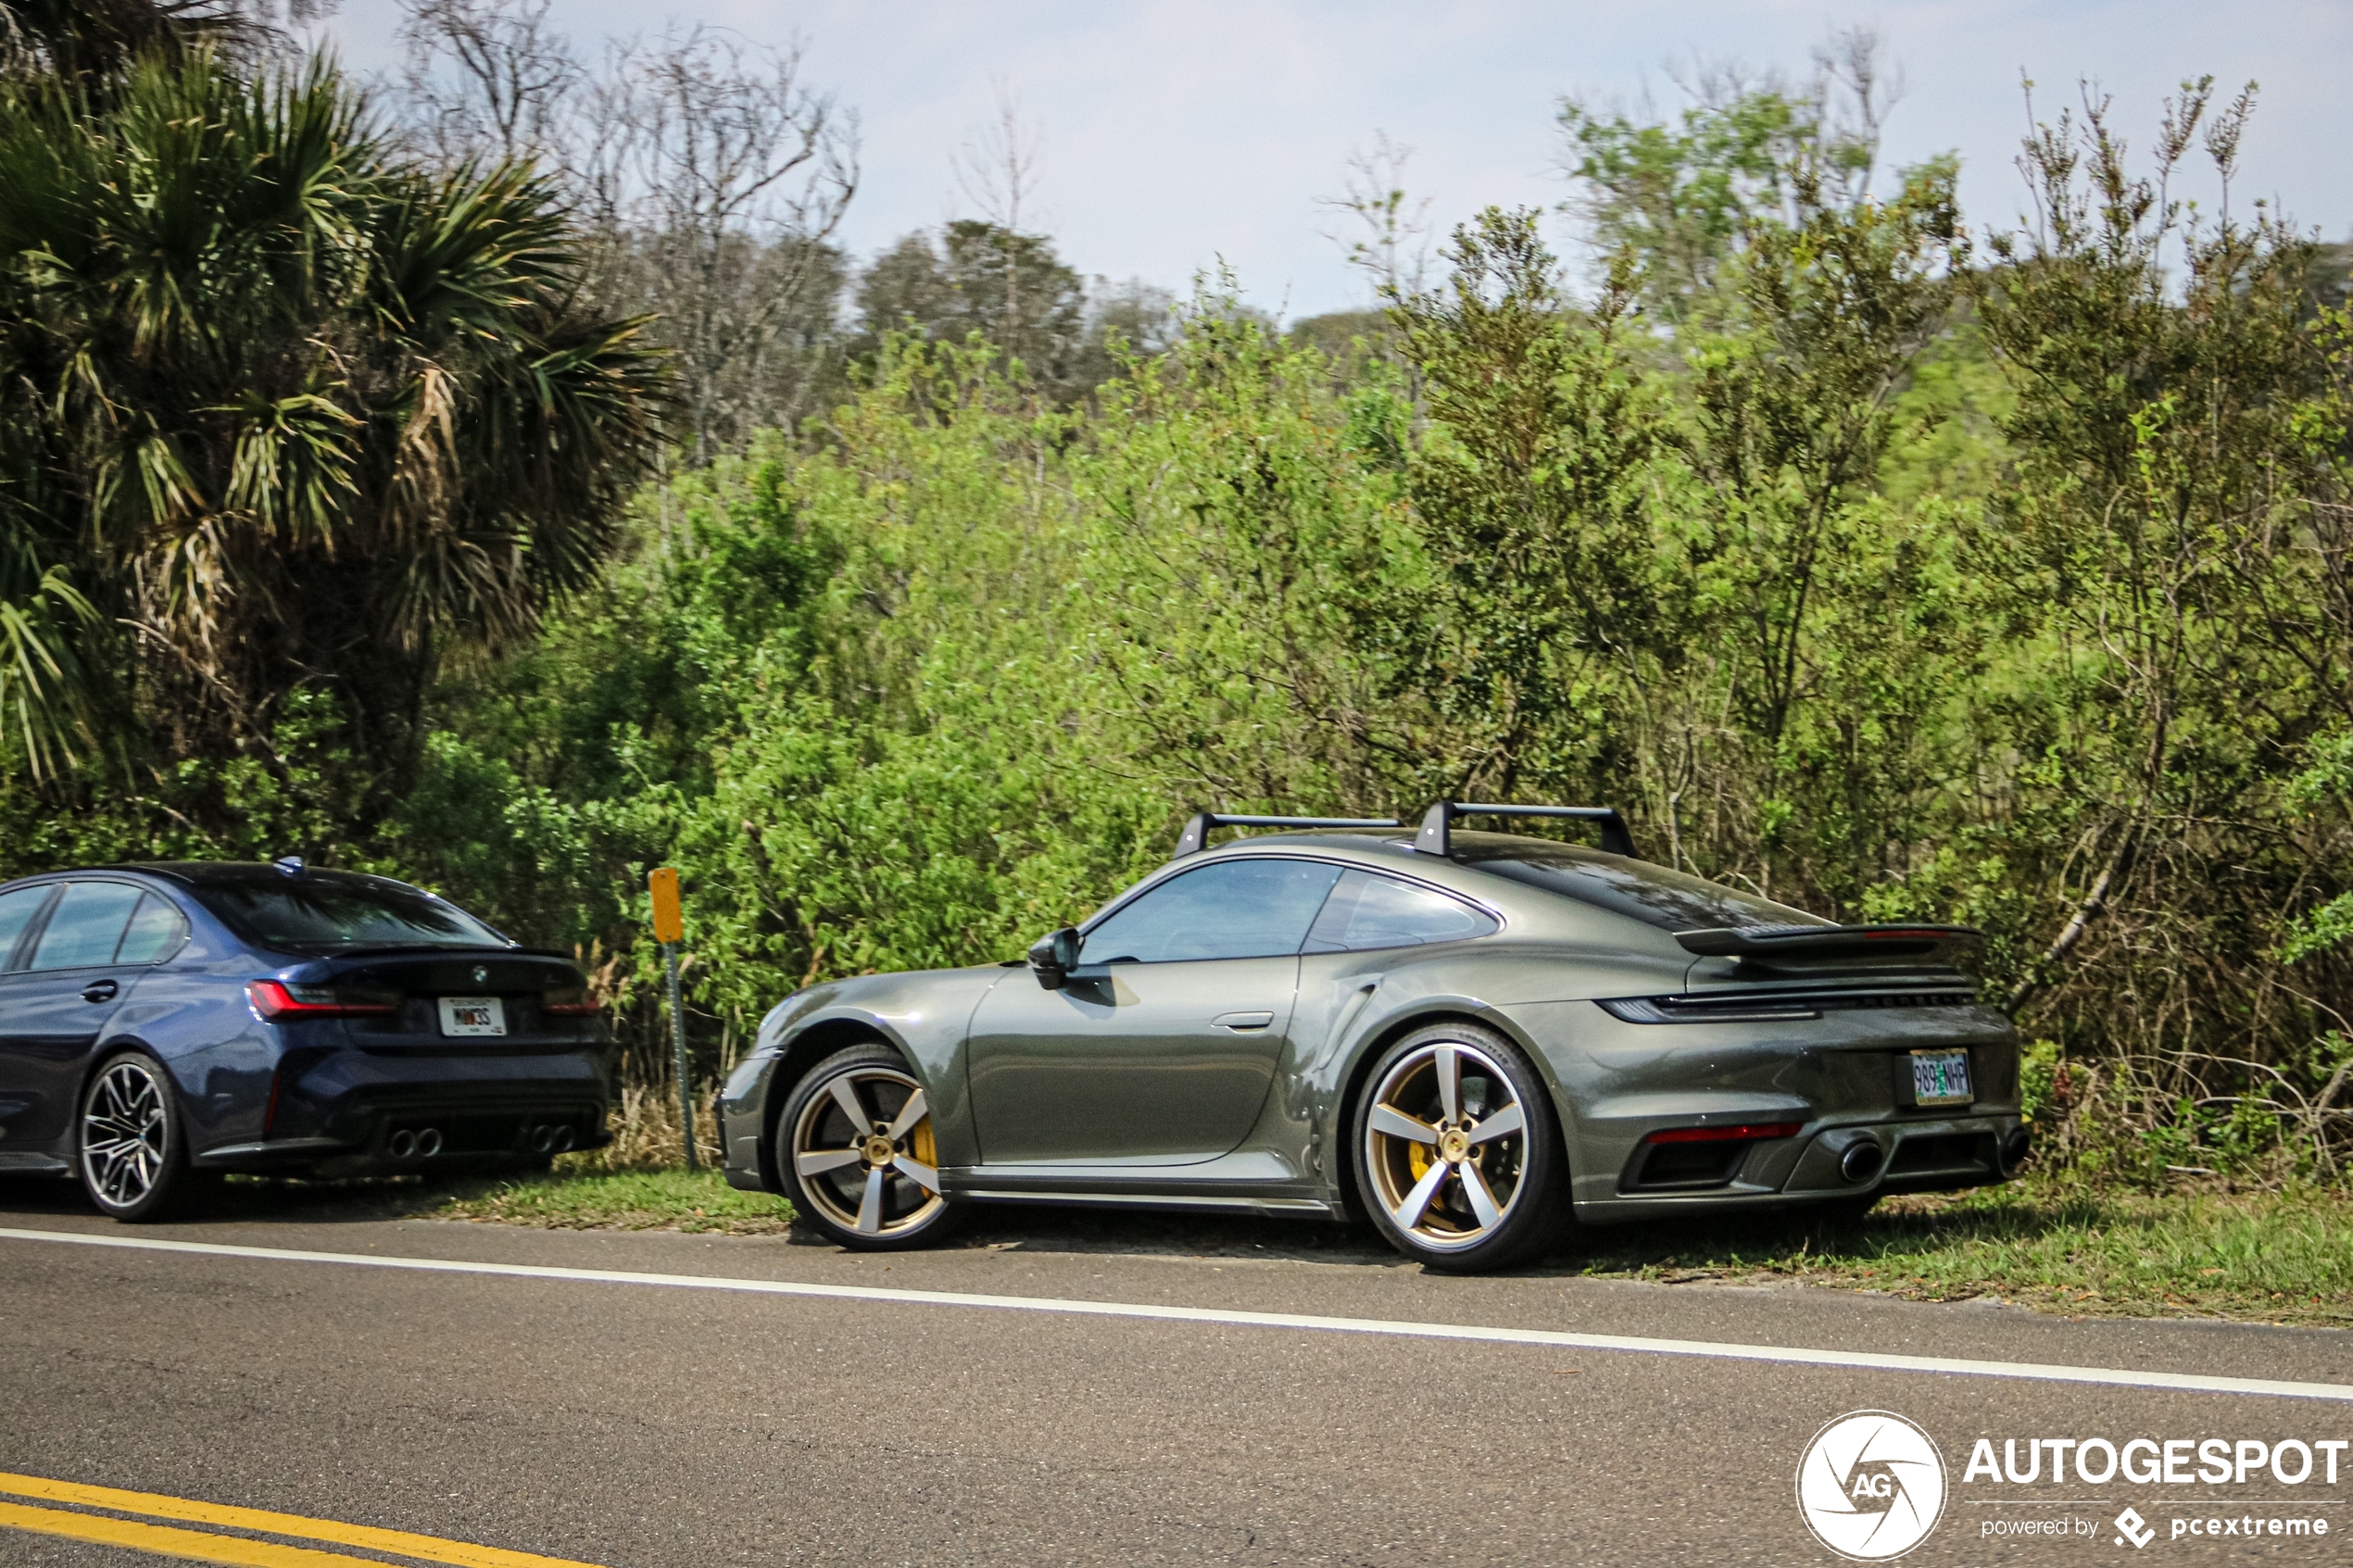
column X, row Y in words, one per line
column 1929, row 630
column 1892, row 572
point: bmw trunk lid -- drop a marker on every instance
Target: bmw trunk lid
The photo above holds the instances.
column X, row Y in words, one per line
column 478, row 1003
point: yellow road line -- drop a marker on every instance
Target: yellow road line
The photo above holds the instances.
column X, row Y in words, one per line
column 432, row 1548
column 165, row 1541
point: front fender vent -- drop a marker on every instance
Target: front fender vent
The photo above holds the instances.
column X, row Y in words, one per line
column 1757, row 1006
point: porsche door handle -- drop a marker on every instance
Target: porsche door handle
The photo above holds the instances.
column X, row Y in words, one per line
column 1242, row 1023
column 99, row 991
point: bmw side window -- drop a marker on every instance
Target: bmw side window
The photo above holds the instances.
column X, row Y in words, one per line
column 1367, row 911
column 17, row 910
column 1253, row 908
column 154, row 935
column 87, row 926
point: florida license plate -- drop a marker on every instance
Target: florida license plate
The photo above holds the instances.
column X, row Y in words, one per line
column 1941, row 1078
column 472, row 1015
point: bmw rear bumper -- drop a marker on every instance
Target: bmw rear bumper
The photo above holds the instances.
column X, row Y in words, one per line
column 357, row 1112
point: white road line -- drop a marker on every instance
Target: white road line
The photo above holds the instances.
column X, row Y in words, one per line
column 1861, row 1360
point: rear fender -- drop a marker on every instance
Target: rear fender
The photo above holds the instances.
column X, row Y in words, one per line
column 1375, row 1029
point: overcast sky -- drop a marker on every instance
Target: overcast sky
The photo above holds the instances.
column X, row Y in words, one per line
column 1174, row 134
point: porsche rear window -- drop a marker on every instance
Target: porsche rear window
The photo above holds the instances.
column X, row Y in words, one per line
column 1367, row 911
column 1671, row 900
column 314, row 912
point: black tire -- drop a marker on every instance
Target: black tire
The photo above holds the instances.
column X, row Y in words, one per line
column 829, row 1161
column 131, row 1142
column 1521, row 1174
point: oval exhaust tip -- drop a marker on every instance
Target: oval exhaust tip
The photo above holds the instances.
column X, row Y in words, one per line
column 2015, row 1150
column 402, row 1143
column 429, row 1143
column 1861, row 1162
column 543, row 1139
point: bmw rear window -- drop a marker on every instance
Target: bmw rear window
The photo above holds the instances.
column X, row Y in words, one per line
column 322, row 914
column 1671, row 900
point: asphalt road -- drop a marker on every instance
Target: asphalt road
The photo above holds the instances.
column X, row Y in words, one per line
column 648, row 1426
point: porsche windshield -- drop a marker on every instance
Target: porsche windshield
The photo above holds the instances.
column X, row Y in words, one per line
column 1654, row 895
column 319, row 913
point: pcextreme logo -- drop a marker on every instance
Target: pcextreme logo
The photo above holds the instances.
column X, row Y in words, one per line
column 1871, row 1486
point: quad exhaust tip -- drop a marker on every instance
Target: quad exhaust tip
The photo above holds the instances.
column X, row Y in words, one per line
column 553, row 1137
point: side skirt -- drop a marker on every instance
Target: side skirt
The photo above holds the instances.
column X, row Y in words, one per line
column 1272, row 1207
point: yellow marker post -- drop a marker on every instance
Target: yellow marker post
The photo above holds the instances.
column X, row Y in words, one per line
column 669, row 929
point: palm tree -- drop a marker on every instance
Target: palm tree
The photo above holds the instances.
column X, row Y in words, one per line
column 280, row 409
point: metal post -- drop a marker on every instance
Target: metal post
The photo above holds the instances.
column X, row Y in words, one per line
column 678, row 1053
column 669, row 929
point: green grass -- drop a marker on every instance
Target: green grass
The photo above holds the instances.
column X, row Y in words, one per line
column 2054, row 1246
column 2273, row 1256
column 628, row 1200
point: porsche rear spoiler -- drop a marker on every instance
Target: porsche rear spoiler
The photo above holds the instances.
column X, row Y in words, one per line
column 1936, row 946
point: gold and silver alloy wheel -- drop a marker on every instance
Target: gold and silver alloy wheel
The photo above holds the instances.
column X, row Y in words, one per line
column 124, row 1134
column 1446, row 1146
column 863, row 1149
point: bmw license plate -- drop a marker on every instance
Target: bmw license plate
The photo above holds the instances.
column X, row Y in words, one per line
column 472, row 1015
column 1941, row 1078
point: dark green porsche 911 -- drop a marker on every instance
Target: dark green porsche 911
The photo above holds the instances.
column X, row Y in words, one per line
column 1473, row 1039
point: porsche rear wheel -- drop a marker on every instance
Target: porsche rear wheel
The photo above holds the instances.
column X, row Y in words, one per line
column 857, row 1153
column 1457, row 1155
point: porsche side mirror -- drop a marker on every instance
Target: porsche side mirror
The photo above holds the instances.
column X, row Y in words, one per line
column 1054, row 955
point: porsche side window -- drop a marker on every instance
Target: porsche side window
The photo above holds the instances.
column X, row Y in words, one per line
column 1251, row 908
column 1367, row 910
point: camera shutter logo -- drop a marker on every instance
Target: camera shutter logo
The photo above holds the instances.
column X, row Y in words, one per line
column 1871, row 1486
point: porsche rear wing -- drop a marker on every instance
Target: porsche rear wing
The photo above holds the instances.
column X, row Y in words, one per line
column 1818, row 947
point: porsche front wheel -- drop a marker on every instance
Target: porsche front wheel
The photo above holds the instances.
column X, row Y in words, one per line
column 1457, row 1157
column 857, row 1156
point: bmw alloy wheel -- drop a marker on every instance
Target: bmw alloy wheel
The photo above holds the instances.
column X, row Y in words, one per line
column 862, row 1150
column 128, row 1144
column 123, row 1134
column 1446, row 1141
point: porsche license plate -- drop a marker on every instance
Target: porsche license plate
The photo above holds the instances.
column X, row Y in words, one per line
column 472, row 1015
column 1941, row 1078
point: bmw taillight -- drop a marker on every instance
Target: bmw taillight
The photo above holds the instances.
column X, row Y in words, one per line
column 275, row 1001
column 571, row 1002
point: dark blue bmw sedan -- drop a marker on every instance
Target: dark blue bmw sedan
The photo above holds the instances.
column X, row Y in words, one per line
column 163, row 1023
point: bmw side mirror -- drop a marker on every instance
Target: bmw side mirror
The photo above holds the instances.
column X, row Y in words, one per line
column 1053, row 956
